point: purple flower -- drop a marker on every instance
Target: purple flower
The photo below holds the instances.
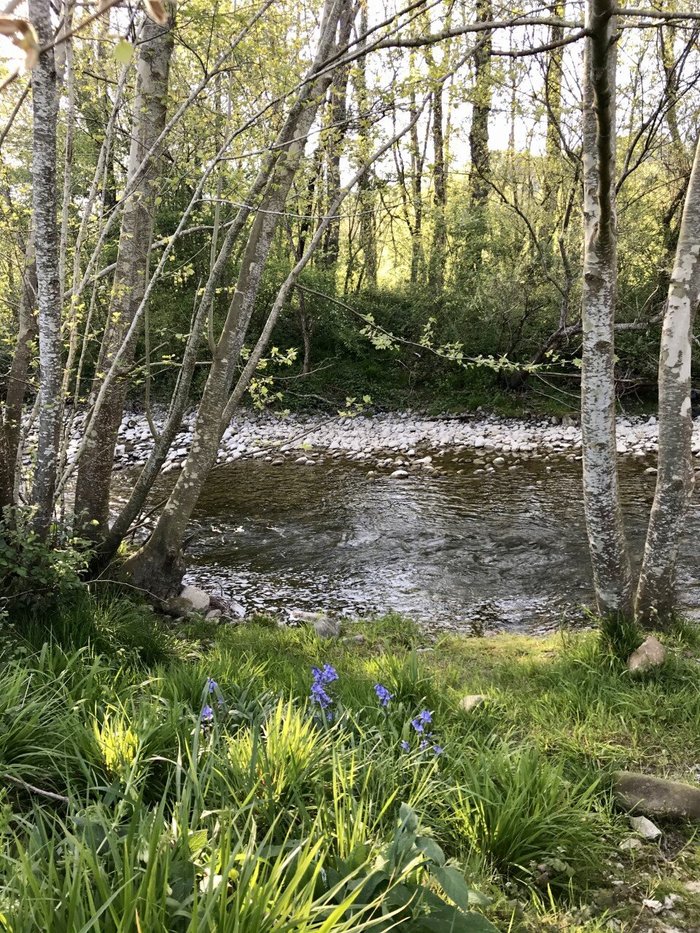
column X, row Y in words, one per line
column 319, row 695
column 325, row 675
column 422, row 720
column 423, row 745
column 438, row 749
column 383, row 695
column 211, row 685
column 207, row 714
column 405, row 745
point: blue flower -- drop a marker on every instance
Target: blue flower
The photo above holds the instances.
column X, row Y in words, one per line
column 405, row 745
column 423, row 745
column 212, row 685
column 383, row 695
column 319, row 695
column 438, row 749
column 325, row 675
column 422, row 720
column 207, row 714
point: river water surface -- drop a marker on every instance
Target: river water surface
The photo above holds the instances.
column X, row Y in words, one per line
column 457, row 549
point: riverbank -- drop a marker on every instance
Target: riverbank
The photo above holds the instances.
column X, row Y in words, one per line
column 386, row 441
column 518, row 797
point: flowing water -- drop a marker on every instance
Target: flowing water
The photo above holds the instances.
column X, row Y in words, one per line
column 458, row 549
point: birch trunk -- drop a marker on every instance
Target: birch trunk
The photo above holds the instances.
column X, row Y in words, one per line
column 157, row 567
column 44, row 199
column 130, row 276
column 606, row 536
column 675, row 480
column 479, row 131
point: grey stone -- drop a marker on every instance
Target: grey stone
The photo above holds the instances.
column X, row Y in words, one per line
column 651, row 653
column 656, row 796
column 645, row 828
column 213, row 614
column 198, row 599
column 471, row 702
column 177, row 607
column 631, row 843
column 326, row 627
column 399, row 474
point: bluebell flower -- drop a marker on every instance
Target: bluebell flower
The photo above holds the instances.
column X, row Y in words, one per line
column 212, row 685
column 421, row 721
column 207, row 714
column 405, row 745
column 383, row 695
column 438, row 749
column 319, row 695
column 325, row 675
column 423, row 745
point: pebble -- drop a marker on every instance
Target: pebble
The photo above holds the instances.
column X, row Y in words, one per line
column 380, row 441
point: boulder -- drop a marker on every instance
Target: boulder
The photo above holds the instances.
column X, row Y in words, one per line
column 326, row 627
column 198, row 599
column 177, row 607
column 651, row 653
column 656, row 796
column 399, row 474
column 213, row 615
column 471, row 702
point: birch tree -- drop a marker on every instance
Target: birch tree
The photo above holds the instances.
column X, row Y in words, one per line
column 44, row 205
column 131, row 272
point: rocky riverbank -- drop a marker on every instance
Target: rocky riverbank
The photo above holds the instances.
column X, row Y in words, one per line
column 399, row 441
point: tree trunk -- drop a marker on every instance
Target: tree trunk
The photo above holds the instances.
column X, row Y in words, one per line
column 157, row 567
column 481, row 110
column 438, row 248
column 44, row 200
column 606, row 536
column 676, row 476
column 365, row 194
column 129, row 285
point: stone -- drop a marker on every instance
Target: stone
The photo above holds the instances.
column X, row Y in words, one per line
column 212, row 615
column 651, row 653
column 177, row 607
column 471, row 702
column 198, row 599
column 655, row 796
column 399, row 474
column 631, row 843
column 326, row 627
column 645, row 828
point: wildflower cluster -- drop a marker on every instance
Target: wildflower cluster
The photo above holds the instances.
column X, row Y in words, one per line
column 420, row 726
column 207, row 714
column 383, row 695
column 322, row 678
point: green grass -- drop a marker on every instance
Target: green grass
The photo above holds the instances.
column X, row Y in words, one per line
column 271, row 818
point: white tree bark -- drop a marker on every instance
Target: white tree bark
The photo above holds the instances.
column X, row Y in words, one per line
column 606, row 535
column 676, row 476
column 130, row 276
column 44, row 199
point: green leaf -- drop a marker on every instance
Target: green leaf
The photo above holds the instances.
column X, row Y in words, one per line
column 430, row 849
column 453, row 884
column 123, row 52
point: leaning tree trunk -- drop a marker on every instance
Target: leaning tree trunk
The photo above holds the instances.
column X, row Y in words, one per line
column 44, row 198
column 157, row 567
column 129, row 285
column 675, row 480
column 606, row 536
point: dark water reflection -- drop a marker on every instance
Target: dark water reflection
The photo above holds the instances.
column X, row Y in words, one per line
column 499, row 550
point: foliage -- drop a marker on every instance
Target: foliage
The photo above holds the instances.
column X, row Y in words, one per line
column 34, row 573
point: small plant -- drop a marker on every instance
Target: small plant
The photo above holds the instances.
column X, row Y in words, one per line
column 34, row 573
